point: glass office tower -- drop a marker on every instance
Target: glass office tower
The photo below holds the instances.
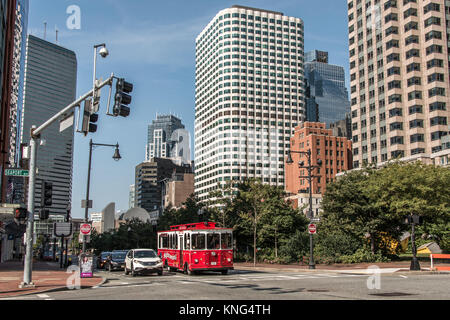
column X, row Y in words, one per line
column 50, row 85
column 327, row 97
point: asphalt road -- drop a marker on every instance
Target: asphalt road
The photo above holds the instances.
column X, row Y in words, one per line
column 251, row 285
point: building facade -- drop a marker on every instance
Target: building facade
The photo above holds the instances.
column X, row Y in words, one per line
column 327, row 96
column 50, row 85
column 163, row 138
column 399, row 73
column 16, row 185
column 178, row 189
column 150, row 179
column 334, row 152
column 249, row 96
column 7, row 29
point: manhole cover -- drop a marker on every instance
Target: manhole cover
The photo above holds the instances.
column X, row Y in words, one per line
column 391, row 294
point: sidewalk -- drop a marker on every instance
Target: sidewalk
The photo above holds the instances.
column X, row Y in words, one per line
column 390, row 267
column 46, row 276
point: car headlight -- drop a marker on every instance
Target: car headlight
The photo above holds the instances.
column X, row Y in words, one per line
column 138, row 262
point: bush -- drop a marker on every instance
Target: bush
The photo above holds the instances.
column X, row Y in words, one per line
column 363, row 255
column 295, row 248
column 331, row 246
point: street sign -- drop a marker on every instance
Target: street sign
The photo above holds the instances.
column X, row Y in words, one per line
column 87, row 204
column 85, row 229
column 80, row 238
column 62, row 229
column 17, row 173
column 312, row 229
column 67, row 122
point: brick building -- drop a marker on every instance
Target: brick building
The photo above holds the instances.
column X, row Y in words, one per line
column 335, row 153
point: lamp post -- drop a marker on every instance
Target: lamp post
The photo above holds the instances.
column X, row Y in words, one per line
column 116, row 157
column 310, row 176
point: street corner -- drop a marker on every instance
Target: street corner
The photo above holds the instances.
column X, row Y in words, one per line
column 47, row 282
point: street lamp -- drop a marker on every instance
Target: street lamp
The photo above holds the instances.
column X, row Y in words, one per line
column 310, row 168
column 116, row 157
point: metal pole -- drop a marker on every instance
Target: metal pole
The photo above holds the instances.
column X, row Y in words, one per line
column 311, row 240
column 414, row 263
column 95, row 69
column 30, row 223
column 86, row 212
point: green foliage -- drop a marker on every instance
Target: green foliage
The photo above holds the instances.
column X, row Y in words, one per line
column 188, row 213
column 363, row 255
column 132, row 234
column 366, row 209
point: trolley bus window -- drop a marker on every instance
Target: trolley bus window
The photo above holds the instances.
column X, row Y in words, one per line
column 164, row 241
column 213, row 240
column 227, row 241
column 198, row 241
column 187, row 242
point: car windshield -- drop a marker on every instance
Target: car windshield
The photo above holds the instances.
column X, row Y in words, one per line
column 145, row 254
column 105, row 254
column 119, row 256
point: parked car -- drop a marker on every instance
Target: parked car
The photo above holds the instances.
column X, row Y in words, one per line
column 143, row 261
column 102, row 259
column 116, row 261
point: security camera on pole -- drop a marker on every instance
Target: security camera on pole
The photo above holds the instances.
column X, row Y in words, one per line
column 35, row 134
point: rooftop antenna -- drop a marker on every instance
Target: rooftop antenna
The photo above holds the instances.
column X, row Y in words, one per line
column 56, row 29
column 45, row 30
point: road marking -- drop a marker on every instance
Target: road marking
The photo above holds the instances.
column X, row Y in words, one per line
column 43, row 296
column 404, row 277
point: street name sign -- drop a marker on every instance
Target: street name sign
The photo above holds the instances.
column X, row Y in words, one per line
column 62, row 229
column 312, row 229
column 85, row 229
column 17, row 173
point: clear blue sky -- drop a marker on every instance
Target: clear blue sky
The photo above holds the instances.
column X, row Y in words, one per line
column 152, row 45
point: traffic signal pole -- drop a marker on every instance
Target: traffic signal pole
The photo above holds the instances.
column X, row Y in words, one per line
column 35, row 134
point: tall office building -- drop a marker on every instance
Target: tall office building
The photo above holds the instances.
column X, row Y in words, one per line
column 327, row 96
column 50, row 85
column 7, row 24
column 399, row 78
column 167, row 138
column 15, row 185
column 249, row 96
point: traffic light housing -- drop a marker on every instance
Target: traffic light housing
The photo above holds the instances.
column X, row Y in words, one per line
column 21, row 214
column 122, row 98
column 47, row 193
column 44, row 214
column 89, row 119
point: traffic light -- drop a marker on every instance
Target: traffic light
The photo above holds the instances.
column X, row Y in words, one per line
column 122, row 98
column 44, row 214
column 89, row 119
column 20, row 213
column 47, row 192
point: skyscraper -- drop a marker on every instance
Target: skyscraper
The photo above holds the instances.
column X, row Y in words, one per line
column 167, row 138
column 15, row 185
column 327, row 95
column 7, row 24
column 249, row 96
column 50, row 85
column 399, row 79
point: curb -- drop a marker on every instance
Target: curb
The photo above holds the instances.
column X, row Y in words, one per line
column 53, row 290
column 354, row 271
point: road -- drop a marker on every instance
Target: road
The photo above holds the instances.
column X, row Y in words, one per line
column 252, row 285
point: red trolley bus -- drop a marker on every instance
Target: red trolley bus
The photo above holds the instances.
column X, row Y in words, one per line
column 196, row 247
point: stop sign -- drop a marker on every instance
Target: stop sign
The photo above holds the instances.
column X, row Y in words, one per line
column 85, row 229
column 312, row 229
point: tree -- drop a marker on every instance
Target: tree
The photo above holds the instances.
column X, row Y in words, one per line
column 371, row 204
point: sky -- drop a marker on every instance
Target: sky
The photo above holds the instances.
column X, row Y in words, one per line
column 152, row 45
